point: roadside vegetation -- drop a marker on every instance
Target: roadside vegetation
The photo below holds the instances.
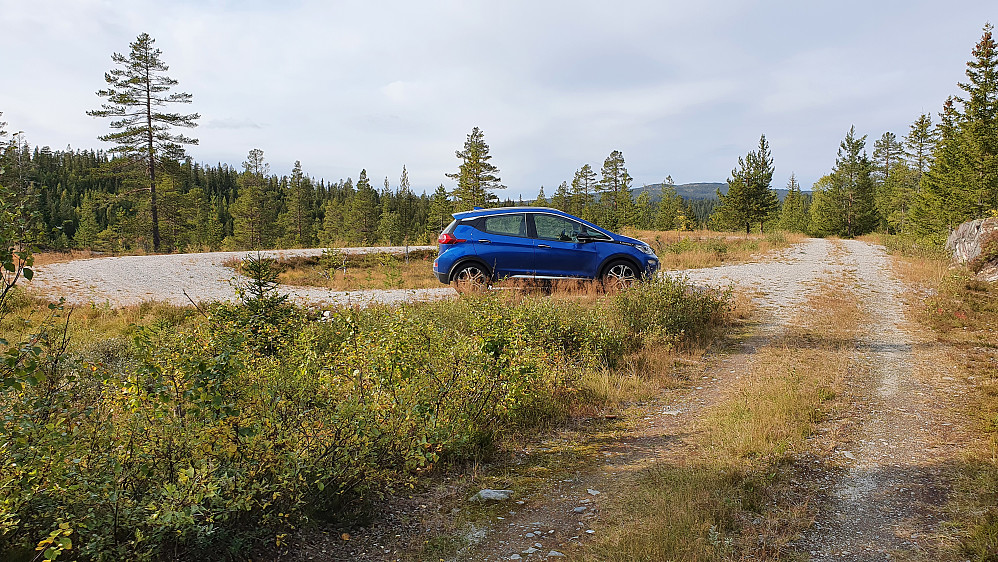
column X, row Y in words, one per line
column 162, row 432
column 962, row 313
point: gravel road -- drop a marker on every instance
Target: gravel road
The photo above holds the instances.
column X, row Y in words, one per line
column 130, row 280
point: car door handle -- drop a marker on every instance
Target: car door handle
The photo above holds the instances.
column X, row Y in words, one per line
column 543, row 246
column 484, row 241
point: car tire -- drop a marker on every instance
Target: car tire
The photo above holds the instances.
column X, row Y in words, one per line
column 619, row 274
column 471, row 278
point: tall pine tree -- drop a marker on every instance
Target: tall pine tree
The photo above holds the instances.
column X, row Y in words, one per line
column 476, row 177
column 136, row 99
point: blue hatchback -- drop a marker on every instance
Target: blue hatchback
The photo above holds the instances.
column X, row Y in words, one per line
column 485, row 246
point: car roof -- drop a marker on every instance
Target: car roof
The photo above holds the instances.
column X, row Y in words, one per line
column 504, row 210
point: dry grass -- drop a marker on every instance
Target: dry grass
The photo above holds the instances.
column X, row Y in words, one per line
column 728, row 494
column 704, row 248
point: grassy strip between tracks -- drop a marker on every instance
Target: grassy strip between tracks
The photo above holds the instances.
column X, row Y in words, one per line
column 732, row 492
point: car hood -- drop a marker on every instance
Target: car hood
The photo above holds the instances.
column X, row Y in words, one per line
column 628, row 240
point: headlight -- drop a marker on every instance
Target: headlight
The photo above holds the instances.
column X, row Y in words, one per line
column 645, row 249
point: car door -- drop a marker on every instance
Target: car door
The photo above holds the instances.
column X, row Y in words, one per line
column 504, row 246
column 558, row 251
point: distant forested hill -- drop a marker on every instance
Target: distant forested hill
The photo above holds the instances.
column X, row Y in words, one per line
column 693, row 191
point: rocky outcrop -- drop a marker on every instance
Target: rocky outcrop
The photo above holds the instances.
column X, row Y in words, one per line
column 967, row 241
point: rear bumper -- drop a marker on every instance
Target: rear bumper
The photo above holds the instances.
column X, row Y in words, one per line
column 441, row 276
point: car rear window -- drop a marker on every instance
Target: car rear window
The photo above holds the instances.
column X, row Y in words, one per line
column 506, row 225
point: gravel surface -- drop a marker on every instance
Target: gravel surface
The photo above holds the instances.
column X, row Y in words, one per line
column 130, row 280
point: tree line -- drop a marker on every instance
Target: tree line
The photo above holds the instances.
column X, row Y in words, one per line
column 923, row 184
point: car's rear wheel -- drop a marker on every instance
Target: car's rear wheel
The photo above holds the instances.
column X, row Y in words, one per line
column 471, row 278
column 619, row 275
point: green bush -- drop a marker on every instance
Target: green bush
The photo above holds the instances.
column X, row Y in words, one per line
column 210, row 438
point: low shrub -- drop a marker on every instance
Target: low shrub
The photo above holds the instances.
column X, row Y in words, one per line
column 225, row 434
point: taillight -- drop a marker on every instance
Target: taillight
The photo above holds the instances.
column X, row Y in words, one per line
column 448, row 238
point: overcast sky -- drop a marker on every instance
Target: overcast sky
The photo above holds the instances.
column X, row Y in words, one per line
column 682, row 88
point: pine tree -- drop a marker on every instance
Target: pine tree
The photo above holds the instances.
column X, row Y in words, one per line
column 135, row 103
column 476, row 177
column 614, row 188
column 644, row 211
column 919, row 143
column 583, row 187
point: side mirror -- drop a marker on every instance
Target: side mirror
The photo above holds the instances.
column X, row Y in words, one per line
column 584, row 238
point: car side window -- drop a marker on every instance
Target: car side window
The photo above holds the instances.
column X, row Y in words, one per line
column 506, row 225
column 551, row 227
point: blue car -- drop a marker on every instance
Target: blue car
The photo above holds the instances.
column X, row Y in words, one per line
column 484, row 246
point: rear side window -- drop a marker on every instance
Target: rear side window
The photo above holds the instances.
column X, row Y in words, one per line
column 450, row 227
column 506, row 225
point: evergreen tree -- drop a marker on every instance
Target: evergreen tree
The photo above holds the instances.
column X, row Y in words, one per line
column 794, row 215
column 919, row 143
column 541, row 200
column 562, row 197
column 297, row 219
column 364, row 212
column 476, row 177
column 670, row 207
column 254, row 211
column 644, row 211
column 843, row 202
column 135, row 103
column 979, row 127
column 614, row 188
column 441, row 208
column 888, row 169
column 583, row 188
column 750, row 198
column 961, row 182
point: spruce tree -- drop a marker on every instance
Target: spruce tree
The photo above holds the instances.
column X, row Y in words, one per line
column 561, row 198
column 296, row 221
column 476, row 177
column 794, row 215
column 364, row 212
column 843, row 202
column 888, row 171
column 254, row 211
column 136, row 99
column 541, row 200
column 750, row 198
column 670, row 207
column 980, row 130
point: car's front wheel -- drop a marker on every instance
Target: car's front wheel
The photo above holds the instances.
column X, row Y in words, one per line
column 620, row 274
column 471, row 278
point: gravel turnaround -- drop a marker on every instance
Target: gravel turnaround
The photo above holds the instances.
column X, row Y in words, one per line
column 130, row 280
